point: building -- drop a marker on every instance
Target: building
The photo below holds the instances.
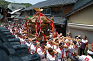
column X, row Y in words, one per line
column 15, row 6
column 56, row 8
column 80, row 19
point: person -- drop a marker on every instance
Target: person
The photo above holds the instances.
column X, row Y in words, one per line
column 61, row 52
column 83, row 46
column 50, row 55
column 88, row 57
column 34, row 47
column 4, row 16
column 42, row 51
column 50, row 44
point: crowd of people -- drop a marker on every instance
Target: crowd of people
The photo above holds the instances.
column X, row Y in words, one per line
column 59, row 48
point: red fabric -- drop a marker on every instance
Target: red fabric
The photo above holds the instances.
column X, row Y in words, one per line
column 81, row 41
column 13, row 33
column 42, row 52
column 87, row 43
column 53, row 29
column 29, row 49
column 86, row 59
column 62, row 54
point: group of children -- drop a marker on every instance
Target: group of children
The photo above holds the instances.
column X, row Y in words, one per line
column 59, row 48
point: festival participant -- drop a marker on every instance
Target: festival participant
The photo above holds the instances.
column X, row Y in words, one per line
column 55, row 47
column 28, row 43
column 60, row 52
column 88, row 57
column 22, row 41
column 34, row 47
column 42, row 51
column 84, row 44
column 13, row 32
column 69, row 51
column 50, row 44
column 50, row 55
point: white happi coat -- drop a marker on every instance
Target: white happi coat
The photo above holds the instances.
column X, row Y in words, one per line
column 85, row 58
column 28, row 45
column 22, row 41
column 50, row 57
column 33, row 49
column 40, row 51
column 60, row 54
column 48, row 45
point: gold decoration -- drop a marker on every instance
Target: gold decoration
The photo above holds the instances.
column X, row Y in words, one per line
column 37, row 9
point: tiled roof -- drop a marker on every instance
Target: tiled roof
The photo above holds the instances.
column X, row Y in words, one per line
column 59, row 20
column 51, row 3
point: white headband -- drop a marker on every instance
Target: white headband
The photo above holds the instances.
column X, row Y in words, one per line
column 90, row 52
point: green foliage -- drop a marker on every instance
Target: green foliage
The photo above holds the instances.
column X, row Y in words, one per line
column 5, row 4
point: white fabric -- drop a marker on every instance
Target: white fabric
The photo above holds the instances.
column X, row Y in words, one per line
column 33, row 49
column 60, row 54
column 48, row 45
column 22, row 40
column 90, row 52
column 49, row 57
column 50, row 36
column 85, row 58
column 84, row 41
column 39, row 51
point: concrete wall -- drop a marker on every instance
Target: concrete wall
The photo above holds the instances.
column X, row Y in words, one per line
column 84, row 16
column 89, row 34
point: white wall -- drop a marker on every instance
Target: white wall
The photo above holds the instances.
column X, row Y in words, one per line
column 89, row 34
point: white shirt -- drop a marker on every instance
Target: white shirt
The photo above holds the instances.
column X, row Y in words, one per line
column 85, row 58
column 33, row 49
column 50, row 46
column 40, row 51
column 22, row 40
column 60, row 54
column 50, row 57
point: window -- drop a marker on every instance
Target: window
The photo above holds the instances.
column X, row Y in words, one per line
column 24, row 13
column 46, row 11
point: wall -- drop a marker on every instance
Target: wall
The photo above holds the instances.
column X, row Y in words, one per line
column 25, row 13
column 89, row 34
column 84, row 16
column 67, row 9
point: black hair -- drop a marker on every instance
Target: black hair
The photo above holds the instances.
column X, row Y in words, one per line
column 74, row 42
column 76, row 37
column 56, row 40
column 61, row 44
column 50, row 49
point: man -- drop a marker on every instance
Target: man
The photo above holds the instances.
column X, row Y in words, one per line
column 88, row 57
column 61, row 52
column 83, row 46
column 50, row 55
column 50, row 44
column 28, row 43
column 42, row 51
column 34, row 47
